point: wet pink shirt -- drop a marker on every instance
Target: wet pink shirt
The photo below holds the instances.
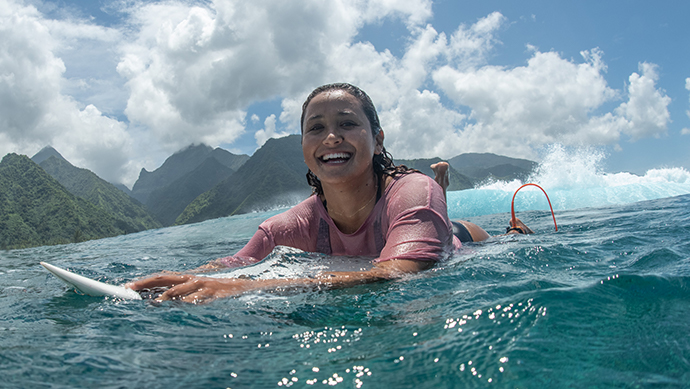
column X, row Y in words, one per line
column 409, row 221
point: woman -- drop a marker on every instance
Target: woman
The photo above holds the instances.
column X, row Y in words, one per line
column 362, row 205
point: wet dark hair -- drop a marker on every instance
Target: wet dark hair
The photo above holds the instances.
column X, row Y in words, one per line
column 383, row 162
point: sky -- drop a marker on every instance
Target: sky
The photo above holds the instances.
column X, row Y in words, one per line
column 119, row 85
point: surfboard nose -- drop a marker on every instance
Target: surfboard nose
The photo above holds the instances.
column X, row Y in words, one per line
column 91, row 287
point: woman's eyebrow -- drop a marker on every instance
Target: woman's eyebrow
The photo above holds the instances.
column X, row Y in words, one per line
column 340, row 113
column 314, row 117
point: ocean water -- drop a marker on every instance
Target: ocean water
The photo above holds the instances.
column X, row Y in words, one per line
column 604, row 302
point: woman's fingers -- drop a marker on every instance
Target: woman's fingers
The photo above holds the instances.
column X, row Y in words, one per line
column 199, row 290
column 177, row 292
column 199, row 297
column 159, row 281
column 190, row 288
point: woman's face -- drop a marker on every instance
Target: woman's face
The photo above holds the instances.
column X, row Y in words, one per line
column 337, row 142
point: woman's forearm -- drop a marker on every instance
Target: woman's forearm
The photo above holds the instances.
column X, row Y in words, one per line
column 328, row 280
column 191, row 288
column 343, row 279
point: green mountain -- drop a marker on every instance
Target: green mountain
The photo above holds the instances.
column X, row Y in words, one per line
column 482, row 166
column 130, row 215
column 178, row 165
column 36, row 210
column 274, row 176
column 169, row 202
column 457, row 181
column 46, row 153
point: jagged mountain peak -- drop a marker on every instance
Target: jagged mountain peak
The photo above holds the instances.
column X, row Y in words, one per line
column 181, row 163
column 46, row 153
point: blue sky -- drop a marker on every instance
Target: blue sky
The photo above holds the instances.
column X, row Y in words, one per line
column 120, row 85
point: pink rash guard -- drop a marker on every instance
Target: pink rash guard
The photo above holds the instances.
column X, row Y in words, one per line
column 409, row 221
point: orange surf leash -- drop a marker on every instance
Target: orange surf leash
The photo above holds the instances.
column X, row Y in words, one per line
column 512, row 205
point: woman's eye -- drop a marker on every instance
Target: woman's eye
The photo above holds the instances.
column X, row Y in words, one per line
column 349, row 124
column 315, row 128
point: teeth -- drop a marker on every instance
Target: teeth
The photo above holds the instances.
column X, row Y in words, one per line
column 335, row 156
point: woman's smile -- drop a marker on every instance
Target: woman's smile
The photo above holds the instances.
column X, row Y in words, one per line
column 337, row 140
column 336, row 157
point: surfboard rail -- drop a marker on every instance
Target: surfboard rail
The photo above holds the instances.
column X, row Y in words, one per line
column 91, row 287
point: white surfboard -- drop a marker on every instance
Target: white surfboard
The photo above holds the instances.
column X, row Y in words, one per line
column 91, row 287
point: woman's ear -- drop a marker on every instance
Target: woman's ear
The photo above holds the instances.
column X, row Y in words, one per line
column 378, row 149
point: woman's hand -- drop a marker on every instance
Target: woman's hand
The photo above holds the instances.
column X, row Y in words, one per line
column 192, row 289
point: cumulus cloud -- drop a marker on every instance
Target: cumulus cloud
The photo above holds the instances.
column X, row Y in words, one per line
column 415, row 120
column 269, row 131
column 34, row 111
column 192, row 71
column 552, row 100
column 185, row 72
column 646, row 110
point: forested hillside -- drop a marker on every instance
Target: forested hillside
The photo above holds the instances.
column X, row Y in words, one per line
column 274, row 176
column 168, row 203
column 183, row 176
column 36, row 210
column 130, row 215
column 480, row 167
column 179, row 165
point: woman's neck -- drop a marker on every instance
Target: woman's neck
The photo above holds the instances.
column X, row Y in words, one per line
column 350, row 205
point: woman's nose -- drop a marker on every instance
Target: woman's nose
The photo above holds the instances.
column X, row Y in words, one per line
column 333, row 136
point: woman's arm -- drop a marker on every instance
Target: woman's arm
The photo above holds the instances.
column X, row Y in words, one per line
column 225, row 263
column 194, row 289
column 258, row 247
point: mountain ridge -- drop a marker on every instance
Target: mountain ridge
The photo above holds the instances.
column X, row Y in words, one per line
column 480, row 167
column 457, row 181
column 183, row 176
column 36, row 210
column 169, row 202
column 130, row 215
column 273, row 176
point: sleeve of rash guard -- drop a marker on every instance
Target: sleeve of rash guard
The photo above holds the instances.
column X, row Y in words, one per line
column 258, row 247
column 419, row 228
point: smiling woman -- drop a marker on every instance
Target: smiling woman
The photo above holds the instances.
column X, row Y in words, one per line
column 362, row 205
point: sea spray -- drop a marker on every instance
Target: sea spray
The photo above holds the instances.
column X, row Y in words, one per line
column 574, row 179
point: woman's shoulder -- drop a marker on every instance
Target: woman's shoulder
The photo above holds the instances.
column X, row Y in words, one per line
column 411, row 181
column 412, row 189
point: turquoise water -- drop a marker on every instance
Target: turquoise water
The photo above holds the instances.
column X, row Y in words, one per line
column 603, row 302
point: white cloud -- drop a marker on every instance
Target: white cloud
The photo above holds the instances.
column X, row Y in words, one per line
column 551, row 100
column 34, row 111
column 470, row 46
column 269, row 131
column 184, row 72
column 646, row 111
column 94, row 141
column 192, row 71
column 415, row 120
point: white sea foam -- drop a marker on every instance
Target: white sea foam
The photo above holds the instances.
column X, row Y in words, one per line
column 573, row 178
column 564, row 169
